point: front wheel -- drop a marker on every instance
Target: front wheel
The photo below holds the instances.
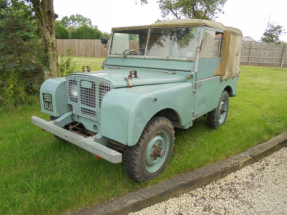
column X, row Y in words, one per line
column 217, row 117
column 149, row 157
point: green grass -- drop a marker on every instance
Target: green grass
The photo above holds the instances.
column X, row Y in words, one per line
column 41, row 175
column 94, row 63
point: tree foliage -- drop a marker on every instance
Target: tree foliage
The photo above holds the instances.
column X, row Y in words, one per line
column 81, row 27
column 190, row 9
column 61, row 31
column 22, row 56
column 87, row 32
column 75, row 21
column 272, row 33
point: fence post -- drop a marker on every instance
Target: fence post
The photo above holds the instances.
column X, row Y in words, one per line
column 249, row 53
column 283, row 55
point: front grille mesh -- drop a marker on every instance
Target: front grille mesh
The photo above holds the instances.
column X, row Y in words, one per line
column 90, row 93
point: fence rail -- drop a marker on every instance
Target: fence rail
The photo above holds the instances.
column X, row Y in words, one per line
column 263, row 54
column 252, row 53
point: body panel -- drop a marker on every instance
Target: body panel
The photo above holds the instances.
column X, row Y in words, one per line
column 56, row 87
column 207, row 67
column 145, row 77
column 125, row 112
column 148, row 62
column 206, row 95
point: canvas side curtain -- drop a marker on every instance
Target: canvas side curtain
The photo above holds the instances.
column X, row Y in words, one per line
column 230, row 58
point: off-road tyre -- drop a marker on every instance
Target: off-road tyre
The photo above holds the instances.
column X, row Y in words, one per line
column 135, row 160
column 216, row 117
column 58, row 138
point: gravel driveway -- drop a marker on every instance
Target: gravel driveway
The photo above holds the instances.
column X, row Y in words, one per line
column 260, row 188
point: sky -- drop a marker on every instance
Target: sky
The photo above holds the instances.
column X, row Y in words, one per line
column 250, row 16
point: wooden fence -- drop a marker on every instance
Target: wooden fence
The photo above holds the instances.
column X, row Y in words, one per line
column 252, row 53
column 264, row 54
column 81, row 47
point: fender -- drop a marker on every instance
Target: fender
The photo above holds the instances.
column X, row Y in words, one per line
column 126, row 111
column 56, row 87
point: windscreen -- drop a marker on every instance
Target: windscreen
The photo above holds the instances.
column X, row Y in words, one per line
column 173, row 42
column 129, row 42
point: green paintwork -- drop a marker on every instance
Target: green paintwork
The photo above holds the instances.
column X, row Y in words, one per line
column 57, row 88
column 206, row 96
column 145, row 77
column 150, row 63
column 65, row 119
column 126, row 111
column 207, row 67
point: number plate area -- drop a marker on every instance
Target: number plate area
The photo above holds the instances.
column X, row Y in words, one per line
column 48, row 102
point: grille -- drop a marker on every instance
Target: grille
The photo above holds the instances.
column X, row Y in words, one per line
column 85, row 94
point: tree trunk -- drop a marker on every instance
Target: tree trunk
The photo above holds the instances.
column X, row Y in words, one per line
column 45, row 16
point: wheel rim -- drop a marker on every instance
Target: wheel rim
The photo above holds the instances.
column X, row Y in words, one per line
column 222, row 111
column 159, row 141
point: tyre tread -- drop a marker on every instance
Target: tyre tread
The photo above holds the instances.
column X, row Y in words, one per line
column 212, row 116
column 132, row 155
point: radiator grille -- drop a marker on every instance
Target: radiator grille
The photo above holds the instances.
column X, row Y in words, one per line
column 85, row 94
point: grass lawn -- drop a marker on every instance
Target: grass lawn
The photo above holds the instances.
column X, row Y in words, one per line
column 93, row 62
column 41, row 175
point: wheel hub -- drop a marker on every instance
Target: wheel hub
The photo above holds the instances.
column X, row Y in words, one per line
column 157, row 151
column 222, row 111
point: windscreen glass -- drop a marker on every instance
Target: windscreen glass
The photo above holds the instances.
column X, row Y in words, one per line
column 173, row 42
column 129, row 42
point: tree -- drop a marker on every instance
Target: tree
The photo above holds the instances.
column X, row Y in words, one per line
column 21, row 54
column 76, row 21
column 45, row 16
column 190, row 9
column 61, row 31
column 87, row 32
column 272, row 33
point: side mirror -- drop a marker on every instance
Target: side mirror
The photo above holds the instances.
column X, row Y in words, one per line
column 104, row 40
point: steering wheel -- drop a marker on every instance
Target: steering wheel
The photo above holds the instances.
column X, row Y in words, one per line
column 129, row 51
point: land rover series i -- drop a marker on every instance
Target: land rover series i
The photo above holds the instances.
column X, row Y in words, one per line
column 155, row 78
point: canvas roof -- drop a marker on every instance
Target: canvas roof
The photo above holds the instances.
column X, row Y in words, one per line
column 184, row 23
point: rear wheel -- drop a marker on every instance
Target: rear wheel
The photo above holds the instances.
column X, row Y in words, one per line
column 149, row 157
column 217, row 117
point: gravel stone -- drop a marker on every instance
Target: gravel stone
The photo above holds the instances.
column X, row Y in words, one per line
column 260, row 188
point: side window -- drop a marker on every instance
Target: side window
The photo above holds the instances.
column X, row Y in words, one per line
column 211, row 44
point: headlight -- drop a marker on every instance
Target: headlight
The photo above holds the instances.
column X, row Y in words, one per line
column 74, row 91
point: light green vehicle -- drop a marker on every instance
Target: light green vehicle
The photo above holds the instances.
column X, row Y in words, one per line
column 155, row 78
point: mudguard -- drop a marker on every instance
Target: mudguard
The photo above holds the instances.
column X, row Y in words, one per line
column 126, row 111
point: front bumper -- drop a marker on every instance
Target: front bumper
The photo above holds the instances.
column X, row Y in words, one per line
column 88, row 144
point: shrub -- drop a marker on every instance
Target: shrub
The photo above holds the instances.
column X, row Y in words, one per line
column 66, row 64
column 21, row 55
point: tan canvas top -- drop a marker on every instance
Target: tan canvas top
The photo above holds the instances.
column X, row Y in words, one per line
column 234, row 31
column 184, row 23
